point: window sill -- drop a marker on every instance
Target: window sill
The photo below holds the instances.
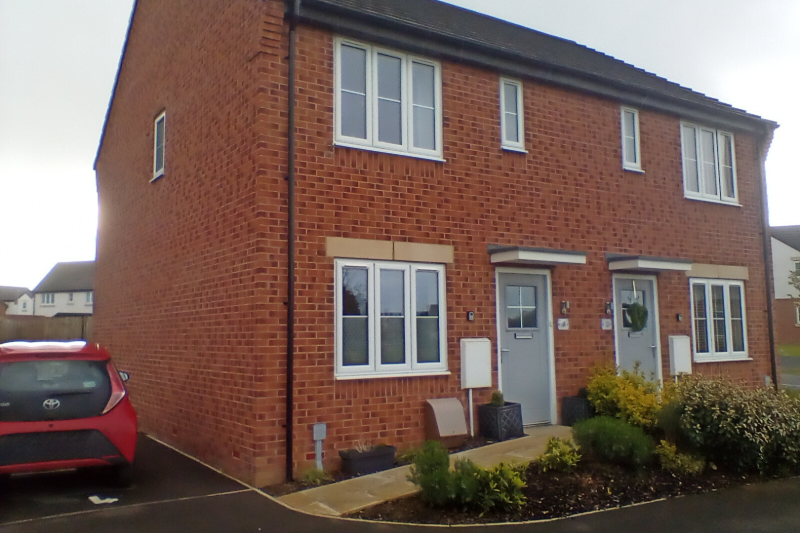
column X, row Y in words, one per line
column 711, row 201
column 352, row 377
column 516, row 149
column 414, row 155
column 722, row 359
column 633, row 169
column 157, row 177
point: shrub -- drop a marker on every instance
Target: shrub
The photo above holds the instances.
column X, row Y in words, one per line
column 431, row 473
column 560, row 455
column 628, row 396
column 497, row 399
column 501, row 487
column 743, row 429
column 614, row 441
column 316, row 476
column 679, row 464
column 468, row 484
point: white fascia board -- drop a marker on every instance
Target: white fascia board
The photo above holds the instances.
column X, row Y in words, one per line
column 537, row 258
column 649, row 265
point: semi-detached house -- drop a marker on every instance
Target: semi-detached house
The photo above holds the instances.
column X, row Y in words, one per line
column 334, row 193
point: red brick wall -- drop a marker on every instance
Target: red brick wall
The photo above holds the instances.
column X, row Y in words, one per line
column 786, row 329
column 191, row 270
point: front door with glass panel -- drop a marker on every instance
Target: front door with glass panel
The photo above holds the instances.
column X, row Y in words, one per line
column 636, row 347
column 524, row 344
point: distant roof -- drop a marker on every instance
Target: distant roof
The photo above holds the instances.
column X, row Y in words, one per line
column 64, row 277
column 8, row 294
column 788, row 235
column 461, row 34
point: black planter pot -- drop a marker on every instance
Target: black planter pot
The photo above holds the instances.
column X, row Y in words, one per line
column 574, row 409
column 355, row 463
column 500, row 423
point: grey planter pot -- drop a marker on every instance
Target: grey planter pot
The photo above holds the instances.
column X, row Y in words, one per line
column 574, row 409
column 355, row 463
column 500, row 423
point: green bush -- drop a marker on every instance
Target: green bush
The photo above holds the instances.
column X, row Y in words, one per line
column 628, row 396
column 744, row 429
column 467, row 485
column 497, row 399
column 560, row 455
column 614, row 441
column 679, row 464
column 316, row 476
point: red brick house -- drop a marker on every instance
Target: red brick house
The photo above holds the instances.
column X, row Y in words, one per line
column 786, row 305
column 334, row 193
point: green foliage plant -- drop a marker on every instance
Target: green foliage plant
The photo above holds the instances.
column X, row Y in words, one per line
column 614, row 441
column 497, row 399
column 316, row 476
column 431, row 473
column 501, row 487
column 560, row 455
column 744, row 429
column 679, row 464
column 629, row 396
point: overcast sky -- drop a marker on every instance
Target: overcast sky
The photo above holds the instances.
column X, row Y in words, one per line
column 58, row 59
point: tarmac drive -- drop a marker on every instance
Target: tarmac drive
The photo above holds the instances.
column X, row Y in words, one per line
column 173, row 493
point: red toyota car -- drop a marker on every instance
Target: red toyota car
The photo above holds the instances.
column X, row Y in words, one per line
column 64, row 405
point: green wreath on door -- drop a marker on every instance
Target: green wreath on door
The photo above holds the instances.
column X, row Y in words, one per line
column 637, row 313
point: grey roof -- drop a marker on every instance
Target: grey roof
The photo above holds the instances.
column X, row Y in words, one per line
column 788, row 235
column 66, row 277
column 460, row 34
column 10, row 294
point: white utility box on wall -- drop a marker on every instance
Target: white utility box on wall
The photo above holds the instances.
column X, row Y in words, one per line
column 680, row 355
column 476, row 363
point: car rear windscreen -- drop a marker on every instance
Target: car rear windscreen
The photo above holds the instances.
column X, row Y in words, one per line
column 52, row 390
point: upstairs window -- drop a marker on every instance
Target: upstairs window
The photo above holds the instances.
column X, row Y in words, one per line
column 709, row 168
column 629, row 127
column 89, row 298
column 48, row 298
column 159, row 145
column 512, row 115
column 718, row 318
column 390, row 318
column 387, row 101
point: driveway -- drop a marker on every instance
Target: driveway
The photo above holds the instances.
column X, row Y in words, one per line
column 789, row 367
column 176, row 494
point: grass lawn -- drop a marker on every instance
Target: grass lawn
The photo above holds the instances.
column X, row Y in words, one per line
column 789, row 349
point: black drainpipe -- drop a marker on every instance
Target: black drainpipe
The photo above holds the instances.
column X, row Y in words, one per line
column 293, row 15
column 767, row 255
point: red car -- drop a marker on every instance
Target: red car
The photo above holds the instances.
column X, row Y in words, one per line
column 63, row 405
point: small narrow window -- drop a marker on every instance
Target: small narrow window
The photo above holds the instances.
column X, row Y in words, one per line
column 512, row 115
column 631, row 156
column 89, row 298
column 159, row 145
column 69, row 297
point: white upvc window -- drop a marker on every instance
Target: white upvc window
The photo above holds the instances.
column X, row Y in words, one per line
column 48, row 298
column 718, row 320
column 796, row 314
column 159, row 145
column 629, row 128
column 390, row 319
column 387, row 101
column 512, row 115
column 70, row 298
column 709, row 164
column 89, row 298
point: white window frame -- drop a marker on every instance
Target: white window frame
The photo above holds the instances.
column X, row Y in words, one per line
column 374, row 368
column 712, row 355
column 70, row 298
column 48, row 298
column 159, row 171
column 719, row 197
column 90, row 298
column 371, row 143
column 635, row 166
column 508, row 144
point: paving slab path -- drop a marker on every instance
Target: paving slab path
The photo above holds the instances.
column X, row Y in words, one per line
column 358, row 493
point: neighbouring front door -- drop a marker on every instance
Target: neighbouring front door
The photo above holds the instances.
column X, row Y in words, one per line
column 524, row 344
column 636, row 346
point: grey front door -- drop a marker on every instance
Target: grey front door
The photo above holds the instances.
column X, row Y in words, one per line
column 524, row 344
column 636, row 346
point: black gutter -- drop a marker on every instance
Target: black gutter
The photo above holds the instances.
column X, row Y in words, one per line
column 294, row 10
column 766, row 238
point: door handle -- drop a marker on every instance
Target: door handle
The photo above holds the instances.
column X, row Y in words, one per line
column 505, row 349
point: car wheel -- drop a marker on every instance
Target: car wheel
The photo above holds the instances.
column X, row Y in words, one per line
column 122, row 475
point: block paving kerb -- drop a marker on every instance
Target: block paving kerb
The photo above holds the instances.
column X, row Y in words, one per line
column 191, row 280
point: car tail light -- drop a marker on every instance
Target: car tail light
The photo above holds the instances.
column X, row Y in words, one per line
column 117, row 388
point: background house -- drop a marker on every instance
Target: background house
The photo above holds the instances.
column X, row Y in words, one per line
column 67, row 290
column 786, row 259
column 451, row 176
column 17, row 300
